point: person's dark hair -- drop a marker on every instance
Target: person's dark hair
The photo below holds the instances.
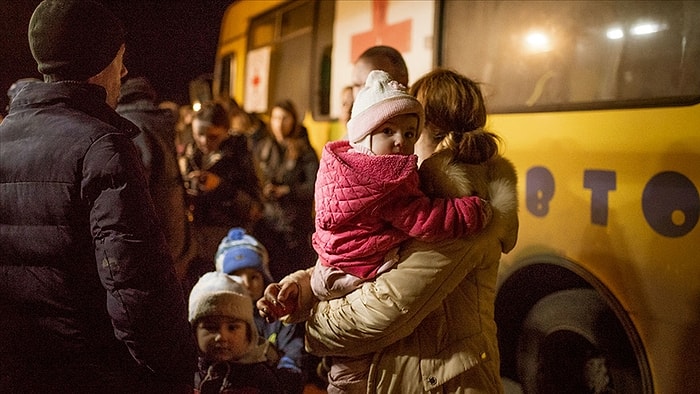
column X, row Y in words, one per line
column 455, row 113
column 213, row 113
column 230, row 104
column 298, row 140
column 291, row 109
column 383, row 53
column 137, row 88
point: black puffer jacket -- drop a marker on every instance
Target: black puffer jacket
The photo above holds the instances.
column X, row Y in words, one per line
column 88, row 294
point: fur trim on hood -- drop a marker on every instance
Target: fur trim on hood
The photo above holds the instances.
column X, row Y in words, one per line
column 494, row 180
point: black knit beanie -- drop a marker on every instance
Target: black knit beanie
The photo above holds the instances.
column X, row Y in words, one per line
column 74, row 39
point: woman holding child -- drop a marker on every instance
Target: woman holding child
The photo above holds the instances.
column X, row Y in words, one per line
column 428, row 323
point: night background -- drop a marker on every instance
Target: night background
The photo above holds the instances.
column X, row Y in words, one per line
column 168, row 42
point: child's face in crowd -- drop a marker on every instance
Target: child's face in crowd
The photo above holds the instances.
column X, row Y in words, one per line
column 222, row 338
column 253, row 280
column 396, row 136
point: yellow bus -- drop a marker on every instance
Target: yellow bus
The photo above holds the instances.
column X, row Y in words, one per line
column 598, row 103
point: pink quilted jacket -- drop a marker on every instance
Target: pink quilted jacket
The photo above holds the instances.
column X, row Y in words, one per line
column 367, row 205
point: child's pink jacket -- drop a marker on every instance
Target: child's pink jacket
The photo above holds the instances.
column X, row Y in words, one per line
column 367, row 205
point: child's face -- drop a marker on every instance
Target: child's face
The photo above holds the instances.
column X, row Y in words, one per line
column 253, row 280
column 222, row 338
column 396, row 136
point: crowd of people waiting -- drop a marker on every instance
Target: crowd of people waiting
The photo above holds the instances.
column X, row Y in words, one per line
column 260, row 180
column 220, row 203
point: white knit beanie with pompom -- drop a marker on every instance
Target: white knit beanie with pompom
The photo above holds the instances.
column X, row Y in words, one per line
column 218, row 294
column 379, row 100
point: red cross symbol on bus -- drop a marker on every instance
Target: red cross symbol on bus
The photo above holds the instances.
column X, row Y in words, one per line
column 256, row 79
column 397, row 35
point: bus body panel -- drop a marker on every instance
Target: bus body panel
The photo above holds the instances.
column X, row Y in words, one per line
column 653, row 276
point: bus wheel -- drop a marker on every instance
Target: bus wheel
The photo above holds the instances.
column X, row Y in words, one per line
column 571, row 342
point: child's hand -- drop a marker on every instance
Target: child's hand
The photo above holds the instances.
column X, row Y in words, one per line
column 278, row 300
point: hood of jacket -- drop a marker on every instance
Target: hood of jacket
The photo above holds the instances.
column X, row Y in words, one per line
column 494, row 180
column 349, row 183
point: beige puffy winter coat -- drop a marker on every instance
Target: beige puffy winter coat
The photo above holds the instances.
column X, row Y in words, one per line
column 429, row 321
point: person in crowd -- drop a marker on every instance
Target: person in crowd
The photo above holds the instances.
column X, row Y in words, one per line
column 368, row 202
column 288, row 166
column 233, row 358
column 346, row 100
column 245, row 123
column 183, row 132
column 380, row 57
column 241, row 255
column 173, row 109
column 438, row 301
column 88, row 294
column 156, row 144
column 221, row 180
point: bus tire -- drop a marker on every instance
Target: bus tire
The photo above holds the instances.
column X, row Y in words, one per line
column 571, row 342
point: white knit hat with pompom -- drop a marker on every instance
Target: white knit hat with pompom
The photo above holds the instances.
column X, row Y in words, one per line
column 218, row 294
column 379, row 100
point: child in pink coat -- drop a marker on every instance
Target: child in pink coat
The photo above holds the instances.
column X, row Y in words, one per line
column 368, row 197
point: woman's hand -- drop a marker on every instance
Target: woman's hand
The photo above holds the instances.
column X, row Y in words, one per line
column 275, row 191
column 208, row 181
column 278, row 300
column 202, row 181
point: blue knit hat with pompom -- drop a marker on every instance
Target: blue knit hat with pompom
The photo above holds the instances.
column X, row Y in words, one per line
column 239, row 250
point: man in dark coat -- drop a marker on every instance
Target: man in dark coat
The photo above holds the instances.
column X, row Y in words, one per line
column 156, row 144
column 88, row 295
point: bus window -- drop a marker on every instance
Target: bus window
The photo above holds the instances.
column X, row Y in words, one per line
column 598, row 103
column 297, row 47
column 296, row 20
column 225, row 69
column 262, row 31
column 568, row 55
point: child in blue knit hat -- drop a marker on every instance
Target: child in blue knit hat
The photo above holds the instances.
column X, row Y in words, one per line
column 241, row 255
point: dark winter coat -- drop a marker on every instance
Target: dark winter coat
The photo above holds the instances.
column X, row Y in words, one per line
column 288, row 342
column 156, row 144
column 296, row 208
column 88, row 294
column 288, row 220
column 230, row 204
column 234, row 378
